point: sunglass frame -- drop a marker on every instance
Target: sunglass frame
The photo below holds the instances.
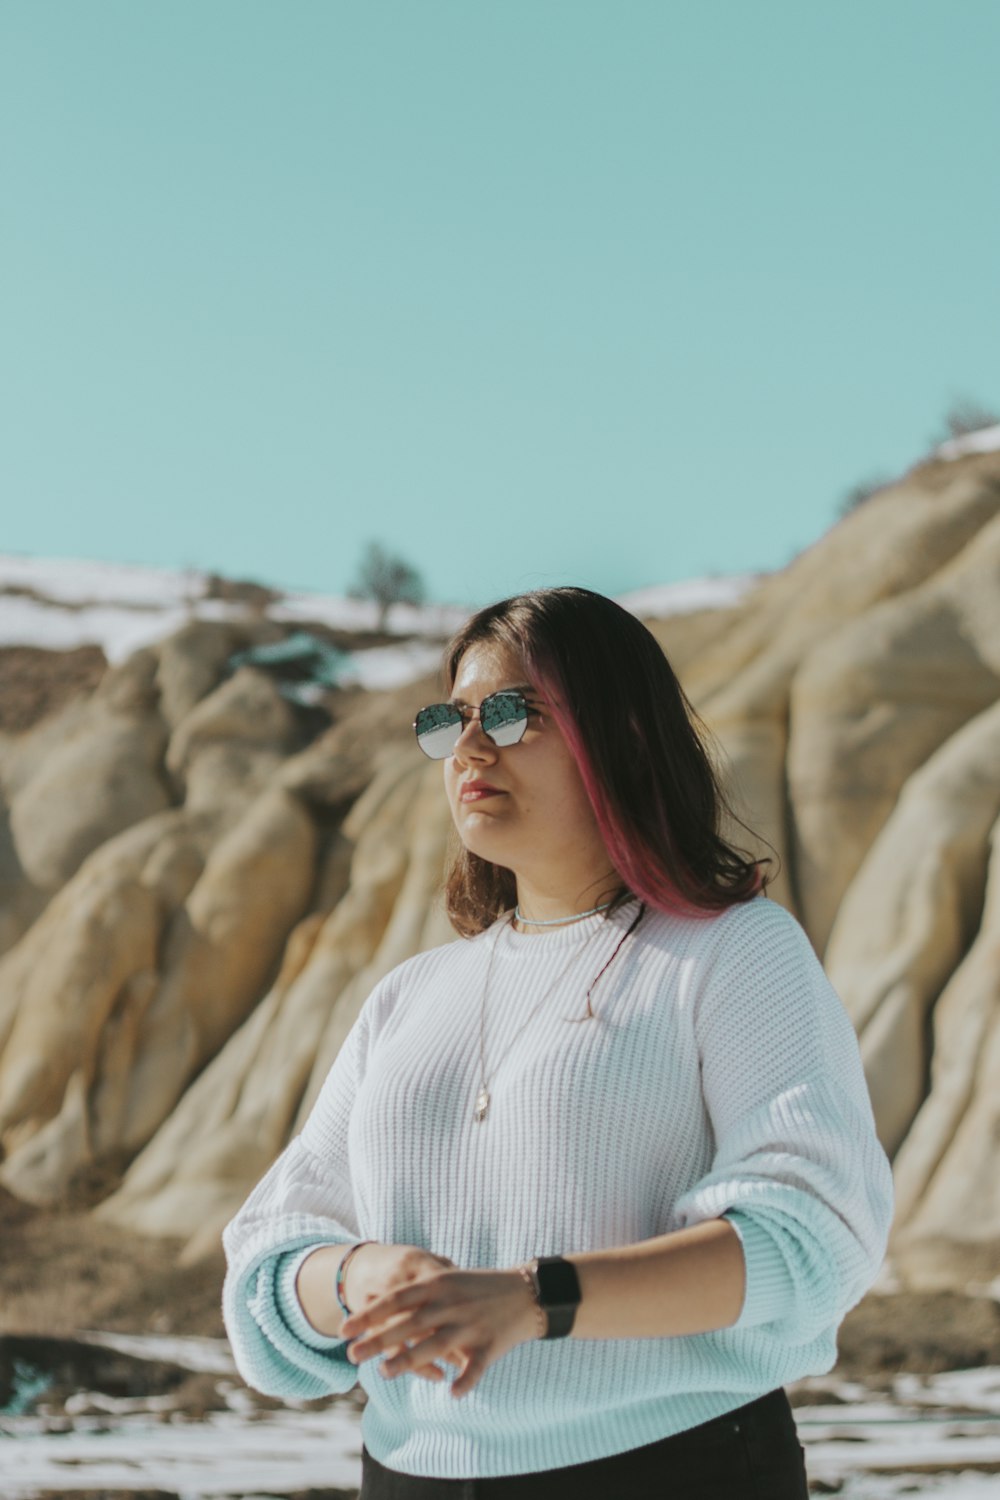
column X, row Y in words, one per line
column 465, row 714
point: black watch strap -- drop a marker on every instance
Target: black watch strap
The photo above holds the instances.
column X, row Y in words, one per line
column 557, row 1290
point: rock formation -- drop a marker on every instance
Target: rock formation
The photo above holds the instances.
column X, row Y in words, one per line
column 199, row 888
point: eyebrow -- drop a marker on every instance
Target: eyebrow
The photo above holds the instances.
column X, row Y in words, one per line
column 524, row 688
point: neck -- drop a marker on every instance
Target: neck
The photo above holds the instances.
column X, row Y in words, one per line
column 553, row 903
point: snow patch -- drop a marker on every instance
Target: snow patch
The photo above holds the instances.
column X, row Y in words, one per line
column 75, row 581
column 222, row 1455
column 986, row 440
column 123, row 608
column 117, row 630
column 664, row 599
column 936, row 1436
column 911, row 1440
column 363, row 614
column 391, row 666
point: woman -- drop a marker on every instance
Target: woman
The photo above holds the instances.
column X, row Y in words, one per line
column 594, row 1182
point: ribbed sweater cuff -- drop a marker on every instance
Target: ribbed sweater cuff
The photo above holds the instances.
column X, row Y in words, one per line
column 289, row 1307
column 770, row 1290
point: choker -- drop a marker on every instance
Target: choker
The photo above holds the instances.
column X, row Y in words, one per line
column 559, row 921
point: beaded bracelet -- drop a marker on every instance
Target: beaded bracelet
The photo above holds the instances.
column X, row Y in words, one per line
column 543, row 1321
column 339, row 1282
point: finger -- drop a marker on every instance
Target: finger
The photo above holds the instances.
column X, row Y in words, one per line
column 380, row 1339
column 466, row 1379
column 398, row 1337
column 394, row 1337
column 407, row 1326
column 421, row 1353
column 425, row 1372
column 382, row 1308
column 395, row 1350
column 428, row 1371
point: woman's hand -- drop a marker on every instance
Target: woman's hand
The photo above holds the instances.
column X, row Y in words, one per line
column 376, row 1270
column 467, row 1318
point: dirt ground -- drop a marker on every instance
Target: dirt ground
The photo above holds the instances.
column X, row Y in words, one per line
column 63, row 1273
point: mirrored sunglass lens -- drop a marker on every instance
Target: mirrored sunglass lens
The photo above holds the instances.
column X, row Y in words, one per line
column 504, row 718
column 438, row 729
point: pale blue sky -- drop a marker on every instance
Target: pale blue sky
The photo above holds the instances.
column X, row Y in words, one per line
column 533, row 291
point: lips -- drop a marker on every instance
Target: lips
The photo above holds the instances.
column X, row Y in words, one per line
column 476, row 791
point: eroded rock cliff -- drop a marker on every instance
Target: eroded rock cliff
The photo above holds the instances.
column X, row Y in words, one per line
column 199, row 889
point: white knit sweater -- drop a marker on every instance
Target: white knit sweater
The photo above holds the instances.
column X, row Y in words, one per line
column 720, row 1076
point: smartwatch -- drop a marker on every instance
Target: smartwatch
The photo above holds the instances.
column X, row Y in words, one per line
column 557, row 1292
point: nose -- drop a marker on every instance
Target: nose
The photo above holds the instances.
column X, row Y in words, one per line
column 473, row 745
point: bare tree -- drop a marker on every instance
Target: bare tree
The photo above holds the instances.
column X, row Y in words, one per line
column 965, row 416
column 386, row 579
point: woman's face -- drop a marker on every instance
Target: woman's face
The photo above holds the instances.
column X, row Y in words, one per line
column 522, row 806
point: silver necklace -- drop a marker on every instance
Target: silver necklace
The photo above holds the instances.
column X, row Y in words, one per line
column 483, row 1097
column 577, row 916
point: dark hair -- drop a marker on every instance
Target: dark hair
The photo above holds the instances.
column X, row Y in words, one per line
column 640, row 747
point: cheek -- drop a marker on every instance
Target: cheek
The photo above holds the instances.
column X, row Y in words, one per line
column 576, row 807
column 558, row 795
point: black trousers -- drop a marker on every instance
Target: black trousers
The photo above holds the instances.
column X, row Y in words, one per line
column 752, row 1453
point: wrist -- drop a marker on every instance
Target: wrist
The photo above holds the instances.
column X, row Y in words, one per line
column 340, row 1280
column 313, row 1289
column 556, row 1288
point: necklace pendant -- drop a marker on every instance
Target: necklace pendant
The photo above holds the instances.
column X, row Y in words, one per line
column 482, row 1104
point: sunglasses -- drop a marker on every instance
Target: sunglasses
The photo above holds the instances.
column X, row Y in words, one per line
column 503, row 718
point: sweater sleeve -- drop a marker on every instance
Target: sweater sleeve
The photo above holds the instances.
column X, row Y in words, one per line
column 798, row 1169
column 303, row 1201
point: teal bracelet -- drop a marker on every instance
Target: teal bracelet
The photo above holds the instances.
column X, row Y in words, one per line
column 339, row 1283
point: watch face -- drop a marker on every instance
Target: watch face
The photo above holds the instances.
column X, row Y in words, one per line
column 558, row 1284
